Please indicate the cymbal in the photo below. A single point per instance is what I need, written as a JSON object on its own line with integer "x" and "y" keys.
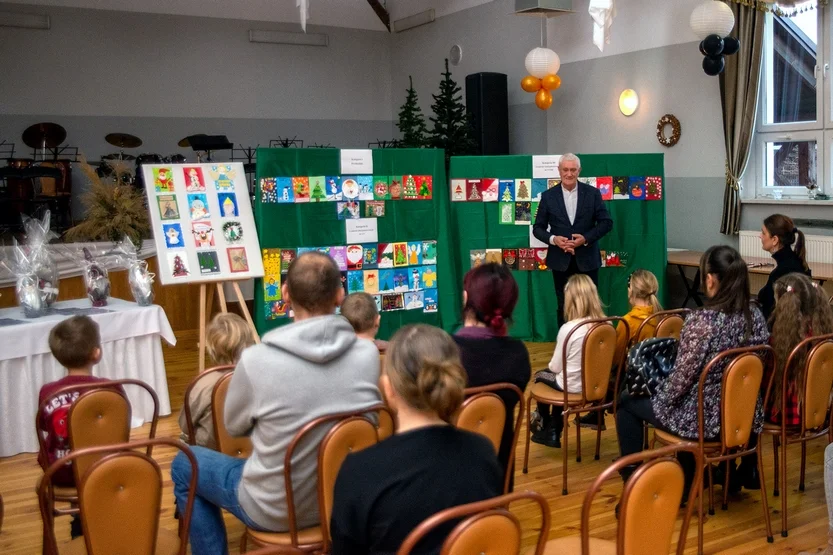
{"x": 123, "y": 140}
{"x": 45, "y": 134}
{"x": 185, "y": 143}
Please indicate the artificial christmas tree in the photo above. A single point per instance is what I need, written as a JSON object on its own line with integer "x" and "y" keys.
{"x": 452, "y": 129}
{"x": 410, "y": 187}
{"x": 411, "y": 121}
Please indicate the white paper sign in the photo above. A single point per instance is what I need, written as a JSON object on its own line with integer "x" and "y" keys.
{"x": 363, "y": 230}
{"x": 534, "y": 243}
{"x": 545, "y": 166}
{"x": 356, "y": 161}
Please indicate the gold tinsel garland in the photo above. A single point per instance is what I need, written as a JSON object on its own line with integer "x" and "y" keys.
{"x": 771, "y": 7}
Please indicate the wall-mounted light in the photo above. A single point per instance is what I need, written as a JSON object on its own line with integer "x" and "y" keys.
{"x": 25, "y": 20}
{"x": 628, "y": 102}
{"x": 421, "y": 18}
{"x": 285, "y": 37}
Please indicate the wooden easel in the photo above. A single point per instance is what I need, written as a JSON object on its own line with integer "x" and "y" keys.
{"x": 207, "y": 307}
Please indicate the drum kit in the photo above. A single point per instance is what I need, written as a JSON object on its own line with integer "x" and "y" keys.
{"x": 123, "y": 141}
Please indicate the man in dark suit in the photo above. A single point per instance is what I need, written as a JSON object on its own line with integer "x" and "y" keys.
{"x": 571, "y": 219}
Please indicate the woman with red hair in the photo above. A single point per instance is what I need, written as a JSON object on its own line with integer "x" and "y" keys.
{"x": 489, "y": 355}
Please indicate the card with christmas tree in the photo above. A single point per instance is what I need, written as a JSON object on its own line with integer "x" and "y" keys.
{"x": 428, "y": 275}
{"x": 429, "y": 252}
{"x": 414, "y": 280}
{"x": 385, "y": 255}
{"x": 553, "y": 183}
{"x": 414, "y": 253}
{"x": 523, "y": 189}
{"x": 414, "y": 300}
{"x": 400, "y": 254}
{"x": 371, "y": 281}
{"x": 523, "y": 213}
{"x": 317, "y": 189}
{"x": 355, "y": 257}
{"x": 300, "y": 186}
{"x": 488, "y": 189}
{"x": 400, "y": 280}
{"x": 287, "y": 258}
{"x": 494, "y": 256}
{"x": 333, "y": 184}
{"x": 268, "y": 190}
{"x": 539, "y": 185}
{"x": 653, "y": 188}
{"x": 365, "y": 187}
{"x": 605, "y": 187}
{"x": 339, "y": 256}
{"x": 473, "y": 190}
{"x": 374, "y": 209}
{"x": 506, "y": 190}
{"x": 285, "y": 189}
{"x": 409, "y": 188}
{"x": 370, "y": 256}
{"x": 477, "y": 257}
{"x": 381, "y": 187}
{"x": 392, "y": 302}
{"x": 510, "y": 258}
{"x": 620, "y": 188}
{"x": 425, "y": 187}
{"x": 355, "y": 282}
{"x": 430, "y": 301}
{"x": 350, "y": 210}
{"x": 385, "y": 281}
{"x": 636, "y": 188}
{"x": 458, "y": 190}
{"x": 534, "y": 211}
{"x": 541, "y": 258}
{"x": 506, "y": 213}
{"x": 590, "y": 181}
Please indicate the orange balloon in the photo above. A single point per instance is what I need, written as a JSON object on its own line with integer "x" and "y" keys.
{"x": 530, "y": 84}
{"x": 551, "y": 82}
{"x": 543, "y": 99}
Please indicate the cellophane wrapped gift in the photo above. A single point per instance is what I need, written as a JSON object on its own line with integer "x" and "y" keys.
{"x": 41, "y": 258}
{"x": 29, "y": 296}
{"x": 96, "y": 278}
{"x": 138, "y": 276}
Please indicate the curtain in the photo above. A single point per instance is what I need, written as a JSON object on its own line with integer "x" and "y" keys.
{"x": 739, "y": 84}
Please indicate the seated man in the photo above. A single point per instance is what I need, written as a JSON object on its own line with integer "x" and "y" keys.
{"x": 310, "y": 368}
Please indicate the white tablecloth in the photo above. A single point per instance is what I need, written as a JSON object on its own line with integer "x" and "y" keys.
{"x": 130, "y": 349}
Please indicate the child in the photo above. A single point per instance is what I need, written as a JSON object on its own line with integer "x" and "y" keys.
{"x": 642, "y": 296}
{"x": 76, "y": 345}
{"x": 360, "y": 310}
{"x": 581, "y": 302}
{"x": 225, "y": 339}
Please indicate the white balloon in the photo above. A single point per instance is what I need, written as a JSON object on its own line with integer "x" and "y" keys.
{"x": 541, "y": 62}
{"x": 712, "y": 17}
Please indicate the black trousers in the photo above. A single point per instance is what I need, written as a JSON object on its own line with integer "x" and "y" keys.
{"x": 551, "y": 414}
{"x": 560, "y": 279}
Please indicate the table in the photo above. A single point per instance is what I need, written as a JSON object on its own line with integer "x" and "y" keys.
{"x": 821, "y": 271}
{"x": 130, "y": 349}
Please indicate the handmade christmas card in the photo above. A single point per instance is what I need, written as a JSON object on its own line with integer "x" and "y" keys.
{"x": 477, "y": 257}
{"x": 198, "y": 207}
{"x": 333, "y": 185}
{"x": 238, "y": 259}
{"x": 590, "y": 181}
{"x": 425, "y": 187}
{"x": 386, "y": 281}
{"x": 172, "y": 234}
{"x": 488, "y": 189}
{"x": 287, "y": 257}
{"x": 534, "y": 210}
{"x": 494, "y": 256}
{"x": 414, "y": 300}
{"x": 163, "y": 180}
{"x": 203, "y": 233}
{"x": 381, "y": 187}
{"x": 350, "y": 188}
{"x": 605, "y": 187}
{"x": 276, "y": 309}
{"x": 317, "y": 189}
{"x": 374, "y": 209}
{"x": 428, "y": 275}
{"x": 350, "y": 210}
{"x": 541, "y": 258}
{"x": 355, "y": 257}
{"x": 371, "y": 281}
{"x": 168, "y": 208}
{"x": 395, "y": 188}
{"x": 539, "y": 185}
{"x": 209, "y": 262}
{"x": 620, "y": 188}
{"x": 409, "y": 188}
{"x": 385, "y": 255}
{"x": 400, "y": 254}
{"x": 414, "y": 279}
{"x": 458, "y": 190}
{"x": 636, "y": 188}
{"x": 378, "y": 300}
{"x": 232, "y": 231}
{"x": 365, "y": 187}
{"x": 473, "y": 190}
{"x": 392, "y": 302}
{"x": 223, "y": 176}
{"x": 429, "y": 252}
{"x": 430, "y": 301}
{"x": 269, "y": 190}
{"x": 523, "y": 189}
{"x": 653, "y": 188}
{"x": 401, "y": 282}
{"x": 370, "y": 254}
{"x": 355, "y": 281}
{"x": 339, "y": 256}
{"x": 523, "y": 213}
{"x": 300, "y": 186}
{"x": 506, "y": 190}
{"x": 510, "y": 258}
{"x": 228, "y": 205}
{"x": 414, "y": 253}
{"x": 285, "y": 189}
{"x": 506, "y": 213}
{"x": 553, "y": 183}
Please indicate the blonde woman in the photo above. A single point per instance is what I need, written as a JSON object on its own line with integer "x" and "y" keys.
{"x": 226, "y": 337}
{"x": 383, "y": 492}
{"x": 581, "y": 302}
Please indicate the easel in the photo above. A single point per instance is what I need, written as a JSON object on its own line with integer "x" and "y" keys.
{"x": 207, "y": 307}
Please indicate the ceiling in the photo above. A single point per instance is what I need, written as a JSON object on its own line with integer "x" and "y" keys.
{"x": 354, "y": 14}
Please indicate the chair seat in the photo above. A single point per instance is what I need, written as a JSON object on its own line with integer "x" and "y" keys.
{"x": 671, "y": 439}
{"x": 61, "y": 493}
{"x": 772, "y": 428}
{"x": 167, "y": 543}
{"x": 308, "y": 537}
{"x": 571, "y": 545}
{"x": 543, "y": 392}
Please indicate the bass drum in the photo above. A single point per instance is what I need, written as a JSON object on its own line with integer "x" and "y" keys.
{"x": 141, "y": 160}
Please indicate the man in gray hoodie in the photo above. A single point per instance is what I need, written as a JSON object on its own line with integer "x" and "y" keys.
{"x": 310, "y": 368}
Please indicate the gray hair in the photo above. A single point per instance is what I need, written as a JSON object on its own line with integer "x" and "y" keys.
{"x": 570, "y": 157}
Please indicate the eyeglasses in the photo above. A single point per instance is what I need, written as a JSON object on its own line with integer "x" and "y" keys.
{"x": 629, "y": 278}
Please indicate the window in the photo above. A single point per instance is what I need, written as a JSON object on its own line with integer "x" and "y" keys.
{"x": 793, "y": 145}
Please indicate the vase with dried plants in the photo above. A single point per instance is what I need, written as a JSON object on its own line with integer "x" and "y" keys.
{"x": 114, "y": 208}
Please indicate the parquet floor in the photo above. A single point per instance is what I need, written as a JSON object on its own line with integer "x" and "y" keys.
{"x": 738, "y": 530}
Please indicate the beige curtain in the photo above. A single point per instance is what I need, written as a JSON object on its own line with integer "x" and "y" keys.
{"x": 739, "y": 96}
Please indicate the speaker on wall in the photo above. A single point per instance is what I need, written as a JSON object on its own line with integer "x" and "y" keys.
{"x": 487, "y": 102}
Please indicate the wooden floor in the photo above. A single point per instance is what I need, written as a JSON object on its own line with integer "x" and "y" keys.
{"x": 738, "y": 530}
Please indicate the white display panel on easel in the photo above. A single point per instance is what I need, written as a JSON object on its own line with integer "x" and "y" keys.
{"x": 202, "y": 222}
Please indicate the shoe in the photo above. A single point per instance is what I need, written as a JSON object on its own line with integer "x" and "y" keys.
{"x": 589, "y": 420}
{"x": 749, "y": 477}
{"x": 75, "y": 530}
{"x": 548, "y": 436}
{"x": 536, "y": 423}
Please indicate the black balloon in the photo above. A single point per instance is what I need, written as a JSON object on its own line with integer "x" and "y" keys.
{"x": 713, "y": 65}
{"x": 713, "y": 45}
{"x": 731, "y": 45}
{"x": 703, "y": 48}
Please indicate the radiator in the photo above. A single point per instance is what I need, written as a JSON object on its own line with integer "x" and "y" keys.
{"x": 819, "y": 247}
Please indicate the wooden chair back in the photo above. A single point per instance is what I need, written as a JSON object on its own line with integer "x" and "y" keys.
{"x": 489, "y": 528}
{"x": 120, "y": 499}
{"x": 485, "y": 414}
{"x": 599, "y": 355}
{"x": 665, "y": 323}
{"x": 818, "y": 382}
{"x": 186, "y": 403}
{"x": 240, "y": 447}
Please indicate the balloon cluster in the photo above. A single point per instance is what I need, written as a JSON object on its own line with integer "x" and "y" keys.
{"x": 543, "y": 65}
{"x": 714, "y": 48}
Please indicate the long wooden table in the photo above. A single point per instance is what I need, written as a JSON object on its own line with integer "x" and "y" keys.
{"x": 821, "y": 271}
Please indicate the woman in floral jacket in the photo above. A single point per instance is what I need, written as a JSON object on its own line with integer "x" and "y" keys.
{"x": 726, "y": 322}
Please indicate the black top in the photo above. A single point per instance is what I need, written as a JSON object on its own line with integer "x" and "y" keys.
{"x": 385, "y": 491}
{"x": 786, "y": 262}
{"x": 493, "y": 360}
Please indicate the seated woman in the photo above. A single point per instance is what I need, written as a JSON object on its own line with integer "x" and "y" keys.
{"x": 489, "y": 356}
{"x": 727, "y": 321}
{"x": 383, "y": 492}
{"x": 786, "y": 244}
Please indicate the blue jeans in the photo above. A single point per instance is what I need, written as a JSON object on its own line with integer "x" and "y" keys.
{"x": 217, "y": 479}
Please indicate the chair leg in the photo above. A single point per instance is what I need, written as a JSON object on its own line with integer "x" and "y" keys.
{"x": 564, "y": 448}
{"x": 784, "y": 488}
{"x": 711, "y": 491}
{"x": 700, "y": 519}
{"x": 243, "y": 542}
{"x": 644, "y": 436}
{"x": 578, "y": 438}
{"x": 725, "y": 505}
{"x": 526, "y": 451}
{"x": 599, "y": 421}
{"x": 776, "y": 469}
{"x": 803, "y": 465}
{"x": 764, "y": 502}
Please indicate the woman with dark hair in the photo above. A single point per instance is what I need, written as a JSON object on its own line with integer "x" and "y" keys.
{"x": 785, "y": 242}
{"x": 489, "y": 356}
{"x": 727, "y": 321}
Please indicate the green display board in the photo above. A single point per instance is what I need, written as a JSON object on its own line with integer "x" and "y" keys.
{"x": 638, "y": 230}
{"x": 317, "y": 225}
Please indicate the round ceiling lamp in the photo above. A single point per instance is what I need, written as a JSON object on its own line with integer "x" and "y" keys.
{"x": 712, "y": 17}
{"x": 541, "y": 62}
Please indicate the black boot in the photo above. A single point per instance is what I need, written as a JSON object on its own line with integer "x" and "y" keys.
{"x": 75, "y": 530}
{"x": 590, "y": 420}
{"x": 548, "y": 436}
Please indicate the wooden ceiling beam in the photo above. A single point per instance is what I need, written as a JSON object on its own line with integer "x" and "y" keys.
{"x": 381, "y": 12}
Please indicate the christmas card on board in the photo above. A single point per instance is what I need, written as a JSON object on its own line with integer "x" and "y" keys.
{"x": 653, "y": 188}
{"x": 541, "y": 258}
{"x": 527, "y": 260}
{"x": 553, "y": 183}
{"x": 428, "y": 275}
{"x": 400, "y": 280}
{"x": 344, "y": 282}
{"x": 285, "y": 189}
{"x": 539, "y": 185}
{"x": 268, "y": 190}
{"x": 506, "y": 190}
{"x": 414, "y": 279}
{"x": 276, "y": 309}
{"x": 506, "y": 213}
{"x": 620, "y": 188}
{"x": 350, "y": 187}
{"x": 523, "y": 189}
{"x": 510, "y": 258}
{"x": 590, "y": 181}
{"x": 396, "y": 188}
{"x": 365, "y": 187}
{"x": 392, "y": 302}
{"x": 168, "y": 207}
{"x": 287, "y": 258}
{"x": 477, "y": 257}
{"x": 386, "y": 281}
{"x": 494, "y": 256}
{"x": 615, "y": 258}
{"x": 271, "y": 274}
{"x": 534, "y": 211}
{"x": 636, "y": 188}
{"x": 355, "y": 282}
{"x": 523, "y": 213}
{"x": 300, "y": 186}
{"x": 488, "y": 189}
{"x": 371, "y": 281}
{"x": 473, "y": 190}
{"x": 385, "y": 255}
{"x": 374, "y": 209}
{"x": 431, "y": 303}
{"x": 409, "y": 188}
{"x": 370, "y": 256}
{"x": 349, "y": 210}
{"x": 317, "y": 189}
{"x": 400, "y": 254}
{"x": 355, "y": 257}
{"x": 605, "y": 187}
{"x": 381, "y": 187}
{"x": 425, "y": 187}
{"x": 414, "y": 300}
{"x": 458, "y": 190}
{"x": 333, "y": 186}
{"x": 429, "y": 252}
{"x": 414, "y": 253}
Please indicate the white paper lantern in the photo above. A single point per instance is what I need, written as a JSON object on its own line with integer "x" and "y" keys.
{"x": 712, "y": 18}
{"x": 541, "y": 62}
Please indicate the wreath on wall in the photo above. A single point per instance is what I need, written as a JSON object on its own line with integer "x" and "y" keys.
{"x": 668, "y": 119}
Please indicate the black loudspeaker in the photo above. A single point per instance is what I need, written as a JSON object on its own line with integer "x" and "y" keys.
{"x": 487, "y": 103}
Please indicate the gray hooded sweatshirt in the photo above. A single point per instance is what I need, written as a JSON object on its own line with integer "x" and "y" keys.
{"x": 299, "y": 372}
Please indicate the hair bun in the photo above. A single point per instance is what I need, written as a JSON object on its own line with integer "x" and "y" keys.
{"x": 497, "y": 322}
{"x": 440, "y": 385}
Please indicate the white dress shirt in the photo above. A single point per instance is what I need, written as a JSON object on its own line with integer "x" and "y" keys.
{"x": 570, "y": 202}
{"x": 574, "y": 355}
